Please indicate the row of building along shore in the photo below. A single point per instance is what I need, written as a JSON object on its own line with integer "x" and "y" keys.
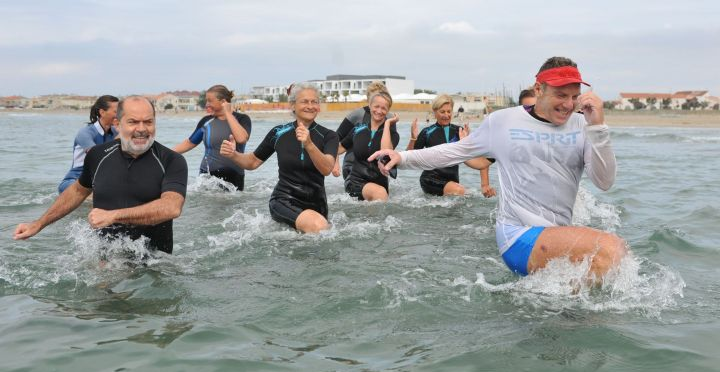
{"x": 342, "y": 92}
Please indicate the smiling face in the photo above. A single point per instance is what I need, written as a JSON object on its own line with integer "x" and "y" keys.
{"x": 137, "y": 126}
{"x": 379, "y": 108}
{"x": 556, "y": 104}
{"x": 212, "y": 104}
{"x": 443, "y": 115}
{"x": 306, "y": 106}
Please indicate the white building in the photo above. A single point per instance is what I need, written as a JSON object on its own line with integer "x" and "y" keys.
{"x": 269, "y": 92}
{"x": 650, "y": 100}
{"x": 343, "y": 87}
{"x": 673, "y": 101}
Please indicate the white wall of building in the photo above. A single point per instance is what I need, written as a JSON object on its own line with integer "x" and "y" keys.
{"x": 339, "y": 88}
{"x": 398, "y": 86}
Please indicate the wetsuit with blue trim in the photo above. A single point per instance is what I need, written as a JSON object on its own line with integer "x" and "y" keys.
{"x": 300, "y": 185}
{"x": 355, "y": 117}
{"x": 212, "y": 131}
{"x": 433, "y": 181}
{"x": 86, "y": 138}
{"x": 364, "y": 143}
{"x": 120, "y": 181}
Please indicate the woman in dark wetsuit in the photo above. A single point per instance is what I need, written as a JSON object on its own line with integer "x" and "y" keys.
{"x": 306, "y": 153}
{"x": 359, "y": 115}
{"x": 365, "y": 181}
{"x": 446, "y": 181}
{"x": 212, "y": 129}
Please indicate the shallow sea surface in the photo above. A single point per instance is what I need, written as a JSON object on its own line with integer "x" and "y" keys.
{"x": 416, "y": 284}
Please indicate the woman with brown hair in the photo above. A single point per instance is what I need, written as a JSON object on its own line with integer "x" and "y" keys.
{"x": 212, "y": 129}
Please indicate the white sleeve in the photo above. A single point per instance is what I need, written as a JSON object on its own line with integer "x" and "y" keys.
{"x": 470, "y": 147}
{"x": 599, "y": 157}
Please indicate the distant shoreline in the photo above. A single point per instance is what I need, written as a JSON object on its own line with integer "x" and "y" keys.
{"x": 614, "y": 118}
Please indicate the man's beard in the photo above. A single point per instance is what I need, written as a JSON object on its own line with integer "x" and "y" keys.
{"x": 131, "y": 148}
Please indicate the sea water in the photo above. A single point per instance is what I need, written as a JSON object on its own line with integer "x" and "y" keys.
{"x": 415, "y": 284}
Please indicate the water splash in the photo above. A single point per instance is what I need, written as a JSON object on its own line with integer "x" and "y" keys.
{"x": 209, "y": 185}
{"x": 636, "y": 285}
{"x": 588, "y": 211}
{"x": 88, "y": 260}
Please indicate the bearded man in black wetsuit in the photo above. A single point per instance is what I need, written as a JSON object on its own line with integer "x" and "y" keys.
{"x": 138, "y": 185}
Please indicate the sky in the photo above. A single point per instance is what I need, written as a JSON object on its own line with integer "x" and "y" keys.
{"x": 128, "y": 47}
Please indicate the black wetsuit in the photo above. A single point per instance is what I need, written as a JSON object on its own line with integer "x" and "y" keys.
{"x": 434, "y": 181}
{"x": 300, "y": 185}
{"x": 121, "y": 181}
{"x": 364, "y": 143}
{"x": 355, "y": 117}
{"x": 212, "y": 131}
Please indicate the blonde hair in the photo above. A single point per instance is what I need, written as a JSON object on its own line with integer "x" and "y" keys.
{"x": 376, "y": 87}
{"x": 441, "y": 101}
{"x": 384, "y": 95}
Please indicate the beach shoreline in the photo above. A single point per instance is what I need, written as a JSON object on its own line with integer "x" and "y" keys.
{"x": 614, "y": 118}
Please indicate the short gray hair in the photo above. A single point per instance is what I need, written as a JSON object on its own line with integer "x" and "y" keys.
{"x": 297, "y": 88}
{"x": 121, "y": 104}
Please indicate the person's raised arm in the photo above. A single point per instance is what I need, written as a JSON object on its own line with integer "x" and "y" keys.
{"x": 323, "y": 162}
{"x": 245, "y": 161}
{"x": 413, "y": 135}
{"x": 70, "y": 199}
{"x": 386, "y": 142}
{"x": 599, "y": 157}
{"x": 240, "y": 134}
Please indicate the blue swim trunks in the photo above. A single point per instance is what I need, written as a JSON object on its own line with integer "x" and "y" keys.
{"x": 516, "y": 257}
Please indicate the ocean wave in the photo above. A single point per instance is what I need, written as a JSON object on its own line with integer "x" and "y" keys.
{"x": 655, "y": 137}
{"x": 25, "y": 115}
{"x": 673, "y": 239}
{"x": 18, "y": 191}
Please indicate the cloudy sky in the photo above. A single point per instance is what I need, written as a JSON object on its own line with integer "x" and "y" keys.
{"x": 123, "y": 47}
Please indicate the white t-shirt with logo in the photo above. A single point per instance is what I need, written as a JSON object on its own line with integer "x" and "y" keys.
{"x": 539, "y": 166}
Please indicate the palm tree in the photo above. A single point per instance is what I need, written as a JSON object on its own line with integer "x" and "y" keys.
{"x": 666, "y": 102}
{"x": 651, "y": 101}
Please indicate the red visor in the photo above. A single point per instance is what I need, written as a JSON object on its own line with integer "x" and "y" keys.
{"x": 560, "y": 76}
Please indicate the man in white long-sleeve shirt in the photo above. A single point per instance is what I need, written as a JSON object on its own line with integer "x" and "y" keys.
{"x": 541, "y": 153}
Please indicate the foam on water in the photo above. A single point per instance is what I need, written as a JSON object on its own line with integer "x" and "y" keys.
{"x": 243, "y": 229}
{"x": 635, "y": 285}
{"x": 415, "y": 199}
